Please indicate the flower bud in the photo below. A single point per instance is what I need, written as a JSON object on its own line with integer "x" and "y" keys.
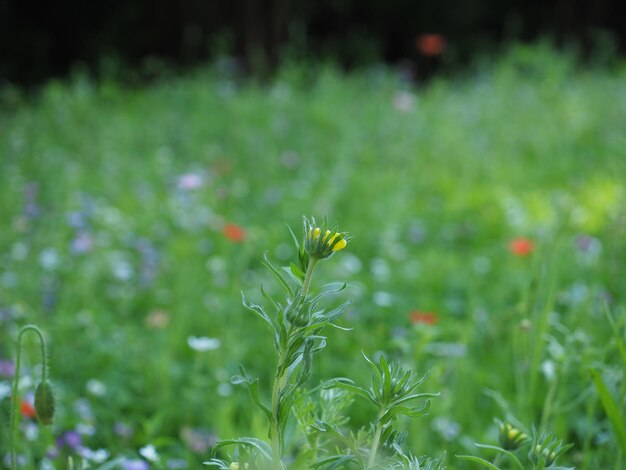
{"x": 510, "y": 437}
{"x": 297, "y": 312}
{"x": 538, "y": 452}
{"x": 322, "y": 242}
{"x": 44, "y": 403}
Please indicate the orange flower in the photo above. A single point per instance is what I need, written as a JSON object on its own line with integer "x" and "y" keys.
{"x": 521, "y": 246}
{"x": 234, "y": 233}
{"x": 425, "y": 318}
{"x": 431, "y": 44}
{"x": 27, "y": 410}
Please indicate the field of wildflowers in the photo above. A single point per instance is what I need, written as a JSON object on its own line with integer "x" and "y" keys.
{"x": 488, "y": 220}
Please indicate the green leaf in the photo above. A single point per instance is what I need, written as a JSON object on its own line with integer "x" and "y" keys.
{"x": 263, "y": 447}
{"x": 278, "y": 276}
{"x": 221, "y": 464}
{"x": 297, "y": 272}
{"x": 413, "y": 397}
{"x": 347, "y": 384}
{"x": 336, "y": 461}
{"x": 500, "y": 450}
{"x": 611, "y": 409}
{"x": 411, "y": 412}
{"x": 328, "y": 289}
{"x": 253, "y": 388}
{"x": 258, "y": 310}
{"x": 335, "y": 313}
{"x": 376, "y": 376}
{"x": 618, "y": 337}
{"x": 473, "y": 458}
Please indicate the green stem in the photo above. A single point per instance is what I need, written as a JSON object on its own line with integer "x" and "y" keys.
{"x": 274, "y": 431}
{"x": 308, "y": 276}
{"x": 280, "y": 381}
{"x": 14, "y": 396}
{"x": 376, "y": 441}
{"x": 547, "y": 405}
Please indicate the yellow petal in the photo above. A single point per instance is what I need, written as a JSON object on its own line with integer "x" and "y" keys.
{"x": 316, "y": 232}
{"x": 340, "y": 245}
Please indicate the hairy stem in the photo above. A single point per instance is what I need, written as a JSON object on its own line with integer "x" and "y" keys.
{"x": 376, "y": 441}
{"x": 275, "y": 424}
{"x": 14, "y": 395}
{"x": 280, "y": 380}
{"x": 308, "y": 276}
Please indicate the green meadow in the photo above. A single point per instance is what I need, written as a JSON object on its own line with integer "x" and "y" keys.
{"x": 487, "y": 211}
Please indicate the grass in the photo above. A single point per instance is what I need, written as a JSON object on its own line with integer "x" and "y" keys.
{"x": 104, "y": 248}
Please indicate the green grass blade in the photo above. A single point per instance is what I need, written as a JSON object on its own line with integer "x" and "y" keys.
{"x": 611, "y": 409}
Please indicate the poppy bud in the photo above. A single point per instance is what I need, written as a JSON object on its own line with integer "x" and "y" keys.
{"x": 44, "y": 403}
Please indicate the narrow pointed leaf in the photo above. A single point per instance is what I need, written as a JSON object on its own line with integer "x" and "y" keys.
{"x": 278, "y": 276}
{"x": 611, "y": 409}
{"x": 251, "y": 442}
{"x": 473, "y": 458}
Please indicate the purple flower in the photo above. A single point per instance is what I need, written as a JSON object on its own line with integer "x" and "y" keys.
{"x": 7, "y": 368}
{"x": 70, "y": 439}
{"x": 135, "y": 464}
{"x": 123, "y": 430}
{"x": 190, "y": 181}
{"x": 83, "y": 243}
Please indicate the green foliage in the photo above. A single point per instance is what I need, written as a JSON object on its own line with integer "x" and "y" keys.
{"x": 118, "y": 204}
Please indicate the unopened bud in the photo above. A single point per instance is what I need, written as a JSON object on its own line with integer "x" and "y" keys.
{"x": 44, "y": 403}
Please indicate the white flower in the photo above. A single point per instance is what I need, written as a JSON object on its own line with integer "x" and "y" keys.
{"x": 49, "y": 259}
{"x": 203, "y": 343}
{"x": 383, "y": 299}
{"x": 96, "y": 387}
{"x": 190, "y": 181}
{"x": 97, "y": 456}
{"x": 149, "y": 453}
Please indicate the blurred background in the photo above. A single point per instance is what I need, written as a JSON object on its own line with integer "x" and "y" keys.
{"x": 152, "y": 151}
{"x": 49, "y": 39}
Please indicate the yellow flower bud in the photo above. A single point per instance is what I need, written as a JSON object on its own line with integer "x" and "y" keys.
{"x": 340, "y": 245}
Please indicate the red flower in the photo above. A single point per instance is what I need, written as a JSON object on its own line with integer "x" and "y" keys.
{"x": 521, "y": 246}
{"x": 426, "y": 318}
{"x": 431, "y": 44}
{"x": 234, "y": 233}
{"x": 27, "y": 410}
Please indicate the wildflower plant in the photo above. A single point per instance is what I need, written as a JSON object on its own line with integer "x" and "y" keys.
{"x": 44, "y": 398}
{"x": 543, "y": 452}
{"x": 296, "y": 324}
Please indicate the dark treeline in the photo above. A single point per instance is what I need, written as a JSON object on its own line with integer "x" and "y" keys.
{"x": 41, "y": 39}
